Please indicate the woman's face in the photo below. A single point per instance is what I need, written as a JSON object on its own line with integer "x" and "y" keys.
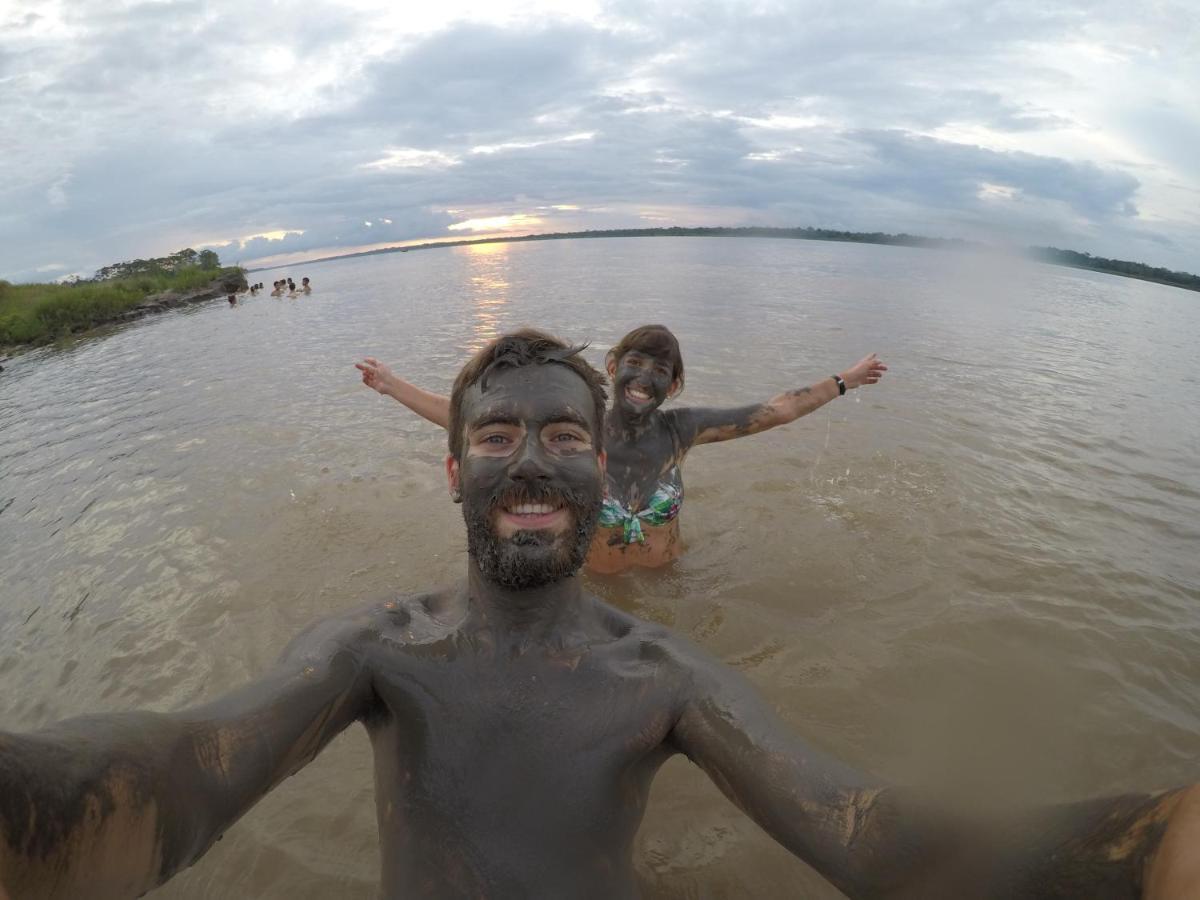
{"x": 641, "y": 382}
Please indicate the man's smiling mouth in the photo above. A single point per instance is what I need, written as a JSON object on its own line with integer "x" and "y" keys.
{"x": 532, "y": 509}
{"x": 523, "y": 514}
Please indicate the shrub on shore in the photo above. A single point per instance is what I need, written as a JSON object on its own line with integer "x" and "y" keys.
{"x": 36, "y": 313}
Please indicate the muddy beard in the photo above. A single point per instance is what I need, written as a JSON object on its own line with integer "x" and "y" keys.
{"x": 531, "y": 559}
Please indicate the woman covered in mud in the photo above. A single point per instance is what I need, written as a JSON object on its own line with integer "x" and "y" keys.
{"x": 646, "y": 445}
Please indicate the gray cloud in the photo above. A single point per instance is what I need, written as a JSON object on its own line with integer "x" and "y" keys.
{"x": 952, "y": 174}
{"x": 471, "y": 82}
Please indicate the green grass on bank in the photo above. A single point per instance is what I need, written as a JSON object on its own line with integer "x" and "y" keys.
{"x": 37, "y": 313}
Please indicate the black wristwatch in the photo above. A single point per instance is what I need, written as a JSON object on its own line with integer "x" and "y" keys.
{"x": 840, "y": 383}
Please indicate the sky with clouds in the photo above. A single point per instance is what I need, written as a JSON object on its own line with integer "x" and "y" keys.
{"x": 285, "y": 130}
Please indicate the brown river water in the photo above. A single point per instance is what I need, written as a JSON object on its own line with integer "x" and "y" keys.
{"x": 981, "y": 576}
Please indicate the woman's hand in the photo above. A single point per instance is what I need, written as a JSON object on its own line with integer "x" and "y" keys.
{"x": 376, "y": 375}
{"x": 867, "y": 370}
{"x": 428, "y": 405}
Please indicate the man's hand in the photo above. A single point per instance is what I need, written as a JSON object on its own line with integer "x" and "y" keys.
{"x": 376, "y": 375}
{"x": 867, "y": 370}
{"x": 1174, "y": 870}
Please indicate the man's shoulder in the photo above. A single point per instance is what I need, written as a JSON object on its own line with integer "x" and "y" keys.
{"x": 652, "y": 639}
{"x": 406, "y": 618}
{"x": 681, "y": 666}
{"x": 624, "y": 624}
{"x": 417, "y": 617}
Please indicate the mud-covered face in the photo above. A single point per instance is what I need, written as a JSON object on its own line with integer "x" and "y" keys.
{"x": 641, "y": 382}
{"x": 530, "y": 478}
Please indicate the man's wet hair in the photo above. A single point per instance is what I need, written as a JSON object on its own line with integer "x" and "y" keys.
{"x": 653, "y": 340}
{"x": 524, "y": 347}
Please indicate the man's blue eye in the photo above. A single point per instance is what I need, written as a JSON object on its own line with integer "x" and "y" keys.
{"x": 495, "y": 439}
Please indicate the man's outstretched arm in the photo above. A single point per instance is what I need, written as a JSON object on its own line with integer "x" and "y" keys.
{"x": 875, "y": 840}
{"x": 112, "y": 805}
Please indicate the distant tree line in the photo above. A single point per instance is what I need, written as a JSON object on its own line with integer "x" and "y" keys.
{"x": 1043, "y": 254}
{"x": 803, "y": 234}
{"x": 1115, "y": 266}
{"x": 187, "y": 258}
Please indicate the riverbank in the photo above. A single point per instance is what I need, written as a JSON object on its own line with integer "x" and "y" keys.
{"x": 35, "y": 314}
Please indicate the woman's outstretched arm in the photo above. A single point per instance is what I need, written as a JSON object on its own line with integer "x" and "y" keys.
{"x": 700, "y": 425}
{"x": 377, "y": 376}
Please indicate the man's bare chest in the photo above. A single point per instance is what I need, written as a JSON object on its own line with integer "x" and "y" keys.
{"x": 599, "y": 709}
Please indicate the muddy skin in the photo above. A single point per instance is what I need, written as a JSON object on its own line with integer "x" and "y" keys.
{"x": 514, "y": 751}
{"x": 516, "y": 730}
{"x": 644, "y": 443}
{"x": 531, "y": 776}
{"x": 643, "y": 446}
{"x": 547, "y": 458}
{"x": 874, "y": 840}
{"x": 110, "y": 806}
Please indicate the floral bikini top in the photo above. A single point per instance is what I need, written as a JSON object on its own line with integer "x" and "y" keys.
{"x": 661, "y": 508}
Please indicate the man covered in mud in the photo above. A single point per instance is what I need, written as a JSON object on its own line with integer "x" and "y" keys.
{"x": 517, "y": 723}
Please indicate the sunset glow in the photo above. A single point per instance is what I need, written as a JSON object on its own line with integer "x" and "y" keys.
{"x": 496, "y": 223}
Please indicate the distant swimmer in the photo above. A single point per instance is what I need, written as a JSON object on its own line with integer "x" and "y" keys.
{"x": 232, "y": 300}
{"x": 277, "y": 288}
{"x": 305, "y": 286}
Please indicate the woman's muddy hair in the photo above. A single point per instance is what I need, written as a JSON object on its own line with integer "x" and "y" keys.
{"x": 524, "y": 347}
{"x": 653, "y": 340}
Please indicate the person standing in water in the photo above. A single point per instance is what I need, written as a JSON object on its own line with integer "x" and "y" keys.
{"x": 646, "y": 444}
{"x": 517, "y": 724}
{"x": 305, "y": 286}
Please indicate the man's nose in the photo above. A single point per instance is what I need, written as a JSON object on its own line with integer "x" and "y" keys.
{"x": 531, "y": 463}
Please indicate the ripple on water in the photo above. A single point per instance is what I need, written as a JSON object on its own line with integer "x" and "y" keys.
{"x": 981, "y": 574}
